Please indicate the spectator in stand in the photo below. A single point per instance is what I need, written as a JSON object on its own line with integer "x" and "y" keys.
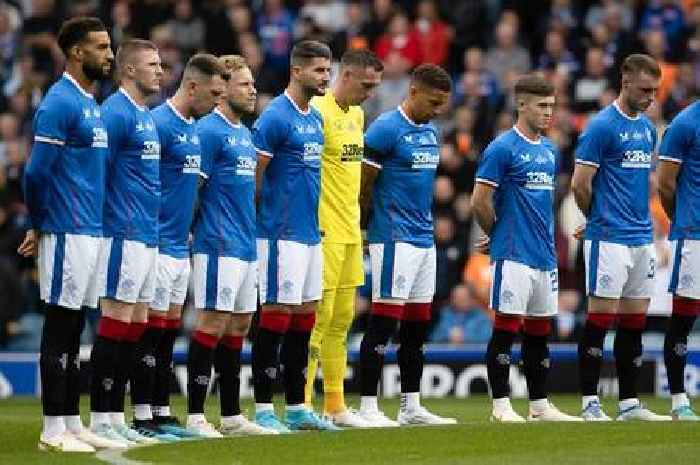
{"x": 329, "y": 15}
{"x": 597, "y": 14}
{"x": 600, "y": 38}
{"x": 188, "y": 28}
{"x": 450, "y": 255}
{"x": 354, "y": 35}
{"x": 400, "y": 45}
{"x": 656, "y": 46}
{"x": 433, "y": 34}
{"x": 683, "y": 93}
{"x": 39, "y": 33}
{"x": 9, "y": 41}
{"x": 592, "y": 83}
{"x": 668, "y": 17}
{"x": 556, "y": 56}
{"x": 462, "y": 320}
{"x": 506, "y": 54}
{"x": 275, "y": 27}
{"x": 378, "y": 21}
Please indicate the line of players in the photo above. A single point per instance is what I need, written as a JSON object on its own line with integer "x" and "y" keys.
{"x": 113, "y": 190}
{"x": 112, "y": 193}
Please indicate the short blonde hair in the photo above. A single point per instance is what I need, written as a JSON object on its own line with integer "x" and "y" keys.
{"x": 232, "y": 63}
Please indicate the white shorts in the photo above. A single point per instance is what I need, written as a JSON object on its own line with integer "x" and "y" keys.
{"x": 69, "y": 270}
{"x": 619, "y": 271}
{"x": 130, "y": 269}
{"x": 402, "y": 271}
{"x": 289, "y": 272}
{"x": 685, "y": 270}
{"x": 226, "y": 284}
{"x": 172, "y": 278}
{"x": 518, "y": 289}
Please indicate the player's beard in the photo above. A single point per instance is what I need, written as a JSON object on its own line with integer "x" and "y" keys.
{"x": 240, "y": 110}
{"x": 95, "y": 71}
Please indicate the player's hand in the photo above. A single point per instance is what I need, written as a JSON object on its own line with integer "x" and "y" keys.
{"x": 483, "y": 244}
{"x": 578, "y": 233}
{"x": 29, "y": 246}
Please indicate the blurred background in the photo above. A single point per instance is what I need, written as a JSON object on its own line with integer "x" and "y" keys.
{"x": 484, "y": 44}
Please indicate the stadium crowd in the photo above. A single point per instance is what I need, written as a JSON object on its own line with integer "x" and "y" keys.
{"x": 484, "y": 44}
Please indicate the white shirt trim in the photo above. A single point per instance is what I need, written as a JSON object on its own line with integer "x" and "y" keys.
{"x": 133, "y": 102}
{"x": 624, "y": 115}
{"x": 75, "y": 83}
{"x": 586, "y": 162}
{"x": 264, "y": 153}
{"x": 49, "y": 140}
{"x": 179, "y": 115}
{"x": 372, "y": 163}
{"x": 228, "y": 121}
{"x": 527, "y": 139}
{"x": 486, "y": 181}
{"x": 410, "y": 121}
{"x": 294, "y": 104}
{"x": 667, "y": 158}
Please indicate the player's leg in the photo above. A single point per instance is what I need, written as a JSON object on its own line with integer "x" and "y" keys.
{"x": 227, "y": 358}
{"x": 606, "y": 273}
{"x": 179, "y": 272}
{"x": 334, "y": 355}
{"x": 413, "y": 334}
{"x": 685, "y": 282}
{"x": 294, "y": 353}
{"x": 542, "y": 307}
{"x": 510, "y": 291}
{"x": 388, "y": 302}
{"x": 272, "y": 326}
{"x": 332, "y": 266}
{"x": 632, "y": 312}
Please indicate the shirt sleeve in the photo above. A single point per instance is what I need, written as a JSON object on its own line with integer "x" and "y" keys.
{"x": 379, "y": 143}
{"x": 51, "y": 123}
{"x": 592, "y": 144}
{"x": 493, "y": 164}
{"x": 676, "y": 142}
{"x": 268, "y": 133}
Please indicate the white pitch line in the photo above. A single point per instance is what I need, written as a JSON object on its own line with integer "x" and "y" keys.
{"x": 116, "y": 457}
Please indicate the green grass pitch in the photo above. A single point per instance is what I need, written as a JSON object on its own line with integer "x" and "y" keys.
{"x": 473, "y": 441}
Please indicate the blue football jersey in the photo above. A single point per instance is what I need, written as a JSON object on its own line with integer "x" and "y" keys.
{"x": 524, "y": 175}
{"x": 681, "y": 144}
{"x": 288, "y": 208}
{"x": 408, "y": 155}
{"x": 225, "y": 223}
{"x": 180, "y": 162}
{"x": 621, "y": 148}
{"x": 133, "y": 180}
{"x": 71, "y": 198}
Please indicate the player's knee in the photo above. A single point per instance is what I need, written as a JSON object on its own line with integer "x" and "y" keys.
{"x": 213, "y": 323}
{"x": 239, "y": 324}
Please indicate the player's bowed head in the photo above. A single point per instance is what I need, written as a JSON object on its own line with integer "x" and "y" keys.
{"x": 641, "y": 75}
{"x": 202, "y": 86}
{"x": 359, "y": 75}
{"x": 139, "y": 68}
{"x": 428, "y": 93}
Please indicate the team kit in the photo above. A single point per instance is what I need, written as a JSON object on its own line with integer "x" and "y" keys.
{"x": 129, "y": 206}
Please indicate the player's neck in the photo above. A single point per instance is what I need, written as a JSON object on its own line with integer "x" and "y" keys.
{"x": 75, "y": 71}
{"x": 179, "y": 102}
{"x": 298, "y": 96}
{"x": 136, "y": 95}
{"x": 530, "y": 134}
{"x": 340, "y": 97}
{"x": 229, "y": 114}
{"x": 625, "y": 108}
{"x": 408, "y": 112}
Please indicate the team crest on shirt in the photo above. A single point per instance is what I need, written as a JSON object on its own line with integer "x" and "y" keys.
{"x": 181, "y": 138}
{"x": 91, "y": 113}
{"x": 686, "y": 281}
{"x": 525, "y": 157}
{"x": 287, "y": 286}
{"x": 624, "y": 137}
{"x": 507, "y": 296}
{"x": 226, "y": 296}
{"x": 400, "y": 282}
{"x": 194, "y": 139}
{"x": 605, "y": 281}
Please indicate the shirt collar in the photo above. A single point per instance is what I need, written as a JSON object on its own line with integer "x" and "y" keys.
{"x": 179, "y": 115}
{"x": 294, "y": 104}
{"x": 228, "y": 121}
{"x": 133, "y": 102}
{"x": 75, "y": 83}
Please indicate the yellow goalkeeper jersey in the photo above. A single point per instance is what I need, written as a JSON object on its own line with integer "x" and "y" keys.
{"x": 339, "y": 209}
